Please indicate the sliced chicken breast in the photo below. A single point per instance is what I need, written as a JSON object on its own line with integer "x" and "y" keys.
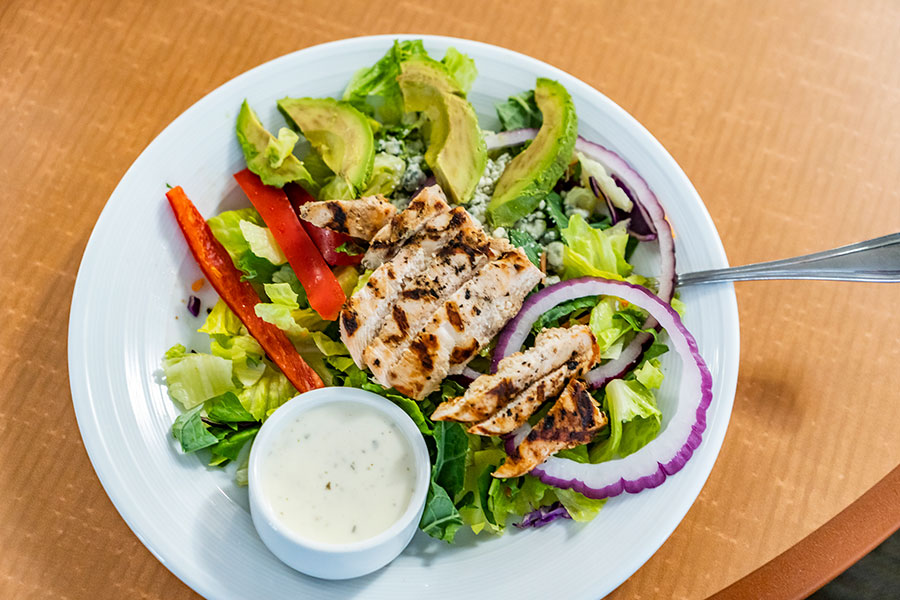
{"x": 361, "y": 218}
{"x": 366, "y": 310}
{"x": 553, "y": 349}
{"x": 452, "y": 265}
{"x": 572, "y": 421}
{"x": 464, "y": 324}
{"x": 428, "y": 204}
{"x": 516, "y": 413}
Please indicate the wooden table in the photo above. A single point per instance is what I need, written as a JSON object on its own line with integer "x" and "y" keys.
{"x": 783, "y": 114}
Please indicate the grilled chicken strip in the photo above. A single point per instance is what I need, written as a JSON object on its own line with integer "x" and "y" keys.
{"x": 552, "y": 350}
{"x": 361, "y": 218}
{"x": 572, "y": 421}
{"x": 366, "y": 310}
{"x": 423, "y": 295}
{"x": 516, "y": 413}
{"x": 428, "y": 204}
{"x": 464, "y": 324}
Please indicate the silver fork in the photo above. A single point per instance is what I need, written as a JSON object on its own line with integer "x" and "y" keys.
{"x": 873, "y": 260}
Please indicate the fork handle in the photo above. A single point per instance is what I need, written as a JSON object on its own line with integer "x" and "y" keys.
{"x": 877, "y": 259}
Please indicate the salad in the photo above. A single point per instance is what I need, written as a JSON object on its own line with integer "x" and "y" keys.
{"x": 341, "y": 193}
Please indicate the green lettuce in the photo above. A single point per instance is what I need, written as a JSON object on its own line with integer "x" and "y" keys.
{"x": 441, "y": 519}
{"x": 387, "y": 170}
{"x": 528, "y": 244}
{"x": 302, "y": 326}
{"x": 226, "y": 227}
{"x": 190, "y": 431}
{"x": 262, "y": 243}
{"x": 594, "y": 252}
{"x": 634, "y": 419}
{"x": 230, "y": 340}
{"x": 461, "y": 67}
{"x": 519, "y": 112}
{"x": 374, "y": 90}
{"x": 269, "y": 392}
{"x": 194, "y": 378}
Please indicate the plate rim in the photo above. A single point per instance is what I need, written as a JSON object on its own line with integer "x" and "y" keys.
{"x": 91, "y": 434}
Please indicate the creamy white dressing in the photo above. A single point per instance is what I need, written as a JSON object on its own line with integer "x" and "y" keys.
{"x": 339, "y": 473}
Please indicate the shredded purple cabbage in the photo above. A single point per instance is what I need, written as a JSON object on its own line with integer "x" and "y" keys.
{"x": 193, "y": 305}
{"x": 544, "y": 516}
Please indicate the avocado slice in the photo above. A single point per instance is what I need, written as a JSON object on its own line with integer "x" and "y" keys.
{"x": 533, "y": 173}
{"x": 340, "y": 134}
{"x": 456, "y": 151}
{"x": 269, "y": 157}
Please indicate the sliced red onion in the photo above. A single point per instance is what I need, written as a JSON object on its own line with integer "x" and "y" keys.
{"x": 654, "y": 219}
{"x": 641, "y": 225}
{"x": 507, "y": 139}
{"x": 512, "y": 440}
{"x": 544, "y": 516}
{"x": 193, "y": 305}
{"x": 468, "y": 374}
{"x": 668, "y": 453}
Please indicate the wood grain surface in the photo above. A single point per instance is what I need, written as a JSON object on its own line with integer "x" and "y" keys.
{"x": 784, "y": 114}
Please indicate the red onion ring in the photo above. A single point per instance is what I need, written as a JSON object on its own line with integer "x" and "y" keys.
{"x": 649, "y": 209}
{"x": 668, "y": 453}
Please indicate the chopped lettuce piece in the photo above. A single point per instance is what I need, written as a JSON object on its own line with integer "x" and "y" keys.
{"x": 190, "y": 431}
{"x": 262, "y": 243}
{"x": 362, "y": 281}
{"x": 227, "y": 408}
{"x": 227, "y": 229}
{"x": 634, "y": 419}
{"x": 555, "y": 210}
{"x": 271, "y": 391}
{"x": 387, "y": 170}
{"x": 194, "y": 378}
{"x": 302, "y": 326}
{"x": 229, "y": 448}
{"x": 519, "y": 112}
{"x": 347, "y": 277}
{"x": 279, "y": 148}
{"x": 580, "y": 507}
{"x": 526, "y": 242}
{"x": 649, "y": 374}
{"x": 572, "y": 307}
{"x": 374, "y": 90}
{"x": 245, "y": 355}
{"x": 461, "y": 67}
{"x": 610, "y": 325}
{"x": 221, "y": 321}
{"x": 441, "y": 519}
{"x": 594, "y": 252}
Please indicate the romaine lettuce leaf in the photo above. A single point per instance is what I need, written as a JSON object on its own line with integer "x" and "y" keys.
{"x": 374, "y": 90}
{"x": 227, "y": 229}
{"x": 262, "y": 243}
{"x": 270, "y": 391}
{"x": 634, "y": 419}
{"x": 387, "y": 170}
{"x": 594, "y": 252}
{"x": 461, "y": 67}
{"x": 194, "y": 378}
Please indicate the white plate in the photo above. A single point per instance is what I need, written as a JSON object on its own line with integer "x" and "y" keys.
{"x": 128, "y": 308}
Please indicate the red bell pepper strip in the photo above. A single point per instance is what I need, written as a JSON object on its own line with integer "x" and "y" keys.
{"x": 322, "y": 288}
{"x": 326, "y": 240}
{"x": 239, "y": 295}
